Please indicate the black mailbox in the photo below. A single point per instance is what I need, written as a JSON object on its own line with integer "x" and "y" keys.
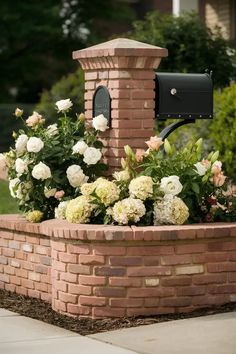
{"x": 188, "y": 96}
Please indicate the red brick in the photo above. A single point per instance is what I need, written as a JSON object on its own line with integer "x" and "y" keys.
{"x": 209, "y": 278}
{"x": 232, "y": 256}
{"x": 125, "y": 261}
{"x": 191, "y": 290}
{"x": 27, "y": 283}
{"x": 110, "y": 292}
{"x": 79, "y": 269}
{"x": 15, "y": 280}
{"x": 232, "y": 277}
{"x": 3, "y": 260}
{"x": 173, "y": 281}
{"x": 67, "y": 257}
{"x": 78, "y": 310}
{"x": 148, "y": 271}
{"x": 222, "y": 289}
{"x": 42, "y": 268}
{"x": 215, "y": 246}
{"x": 176, "y": 301}
{"x": 60, "y": 306}
{"x": 221, "y": 267}
{"x": 126, "y": 302}
{"x": 4, "y": 278}
{"x": 196, "y": 248}
{"x": 45, "y": 242}
{"x": 210, "y": 299}
{"x": 110, "y": 251}
{"x": 58, "y": 246}
{"x": 64, "y": 297}
{"x": 45, "y": 260}
{"x": 80, "y": 289}
{"x": 33, "y": 240}
{"x": 46, "y": 297}
{"x": 91, "y": 280}
{"x": 9, "y": 270}
{"x": 125, "y": 282}
{"x": 100, "y": 312}
{"x": 151, "y": 260}
{"x": 34, "y": 293}
{"x": 22, "y": 273}
{"x": 108, "y": 271}
{"x": 42, "y": 287}
{"x": 91, "y": 259}
{"x": 41, "y": 250}
{"x": 175, "y": 259}
{"x": 150, "y": 292}
{"x": 70, "y": 278}
{"x": 150, "y": 250}
{"x": 92, "y": 301}
{"x": 10, "y": 287}
{"x": 8, "y": 252}
{"x": 21, "y": 290}
{"x": 229, "y": 246}
{"x": 152, "y": 302}
{"x": 45, "y": 279}
{"x": 14, "y": 245}
{"x": 210, "y": 257}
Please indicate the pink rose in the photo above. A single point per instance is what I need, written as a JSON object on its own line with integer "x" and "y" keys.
{"x": 154, "y": 143}
{"x": 218, "y": 179}
{"x": 59, "y": 194}
{"x": 34, "y": 120}
{"x": 139, "y": 154}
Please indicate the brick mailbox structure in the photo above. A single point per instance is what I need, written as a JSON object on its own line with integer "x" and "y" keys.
{"x": 126, "y": 68}
{"x": 114, "y": 271}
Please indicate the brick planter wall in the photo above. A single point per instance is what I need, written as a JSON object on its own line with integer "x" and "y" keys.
{"x": 115, "y": 271}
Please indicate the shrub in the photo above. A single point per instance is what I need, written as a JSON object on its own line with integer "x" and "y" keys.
{"x": 223, "y": 128}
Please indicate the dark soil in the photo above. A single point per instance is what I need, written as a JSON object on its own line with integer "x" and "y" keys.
{"x": 42, "y": 311}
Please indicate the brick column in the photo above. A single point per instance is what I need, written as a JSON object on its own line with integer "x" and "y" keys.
{"x": 126, "y": 68}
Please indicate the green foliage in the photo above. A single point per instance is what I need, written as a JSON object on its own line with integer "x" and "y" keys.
{"x": 8, "y": 205}
{"x": 192, "y": 46}
{"x": 223, "y": 128}
{"x": 71, "y": 86}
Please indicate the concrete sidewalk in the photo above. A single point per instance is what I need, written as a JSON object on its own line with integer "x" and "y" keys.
{"x": 214, "y": 334}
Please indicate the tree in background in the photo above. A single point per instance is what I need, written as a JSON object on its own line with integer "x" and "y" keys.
{"x": 192, "y": 46}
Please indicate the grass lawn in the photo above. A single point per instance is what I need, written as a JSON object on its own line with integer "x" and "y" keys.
{"x": 7, "y": 203}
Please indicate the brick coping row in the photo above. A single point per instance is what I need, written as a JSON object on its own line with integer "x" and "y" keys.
{"x": 100, "y": 233}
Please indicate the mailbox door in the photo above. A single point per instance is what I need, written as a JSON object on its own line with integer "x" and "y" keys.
{"x": 184, "y": 96}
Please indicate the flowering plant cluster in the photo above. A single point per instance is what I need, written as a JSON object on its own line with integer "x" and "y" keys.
{"x": 49, "y": 164}
{"x": 157, "y": 186}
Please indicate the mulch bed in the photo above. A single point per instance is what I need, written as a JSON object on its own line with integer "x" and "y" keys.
{"x": 42, "y": 311}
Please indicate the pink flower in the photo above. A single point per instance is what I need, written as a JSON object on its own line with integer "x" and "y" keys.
{"x": 139, "y": 154}
{"x": 154, "y": 143}
{"x": 35, "y": 119}
{"x": 218, "y": 179}
{"x": 59, "y": 194}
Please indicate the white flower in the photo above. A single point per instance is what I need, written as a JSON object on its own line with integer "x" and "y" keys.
{"x": 21, "y": 143}
{"x": 100, "y": 123}
{"x": 13, "y": 185}
{"x": 41, "y": 171}
{"x": 49, "y": 192}
{"x": 76, "y": 176}
{"x": 201, "y": 169}
{"x": 141, "y": 187}
{"x": 171, "y": 185}
{"x": 60, "y": 211}
{"x": 92, "y": 156}
{"x": 79, "y": 210}
{"x": 34, "y": 120}
{"x": 34, "y": 144}
{"x": 64, "y": 105}
{"x": 20, "y": 166}
{"x": 79, "y": 147}
{"x": 127, "y": 210}
{"x": 170, "y": 210}
{"x": 121, "y": 175}
{"x": 52, "y": 129}
{"x": 107, "y": 191}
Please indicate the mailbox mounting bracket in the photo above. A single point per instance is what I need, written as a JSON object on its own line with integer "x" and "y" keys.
{"x": 172, "y": 127}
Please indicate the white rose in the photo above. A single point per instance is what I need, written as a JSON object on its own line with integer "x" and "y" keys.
{"x": 100, "y": 123}
{"x": 41, "y": 171}
{"x": 13, "y": 183}
{"x": 79, "y": 147}
{"x": 64, "y": 105}
{"x": 20, "y": 166}
{"x": 201, "y": 169}
{"x": 34, "y": 144}
{"x": 92, "y": 156}
{"x": 49, "y": 192}
{"x": 21, "y": 143}
{"x": 52, "y": 129}
{"x": 76, "y": 176}
{"x": 171, "y": 185}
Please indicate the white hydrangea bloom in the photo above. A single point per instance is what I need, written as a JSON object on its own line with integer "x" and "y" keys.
{"x": 79, "y": 210}
{"x": 141, "y": 187}
{"x": 127, "y": 211}
{"x": 170, "y": 210}
{"x": 60, "y": 211}
{"x": 76, "y": 176}
{"x": 92, "y": 156}
{"x": 121, "y": 176}
{"x": 171, "y": 185}
{"x": 34, "y": 144}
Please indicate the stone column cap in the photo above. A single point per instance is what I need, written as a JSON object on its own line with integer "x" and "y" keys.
{"x": 121, "y": 47}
